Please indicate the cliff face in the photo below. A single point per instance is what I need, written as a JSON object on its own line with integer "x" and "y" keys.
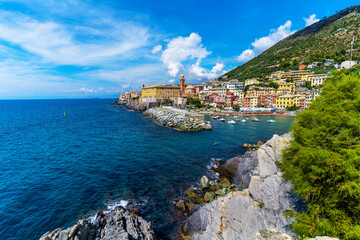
{"x": 118, "y": 224}
{"x": 253, "y": 212}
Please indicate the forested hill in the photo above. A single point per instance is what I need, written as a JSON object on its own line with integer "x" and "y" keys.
{"x": 329, "y": 38}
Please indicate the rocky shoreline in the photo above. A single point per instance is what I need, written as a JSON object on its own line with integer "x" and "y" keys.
{"x": 248, "y": 199}
{"x": 118, "y": 224}
{"x": 252, "y": 201}
{"x": 169, "y": 118}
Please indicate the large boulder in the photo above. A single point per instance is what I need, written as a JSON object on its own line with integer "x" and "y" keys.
{"x": 118, "y": 224}
{"x": 254, "y": 212}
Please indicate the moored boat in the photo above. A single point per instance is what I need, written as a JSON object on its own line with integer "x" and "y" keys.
{"x": 231, "y": 122}
{"x": 222, "y": 120}
{"x": 271, "y": 121}
{"x": 255, "y": 119}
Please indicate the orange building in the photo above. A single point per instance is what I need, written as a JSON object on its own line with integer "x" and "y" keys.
{"x": 229, "y": 99}
{"x": 302, "y": 67}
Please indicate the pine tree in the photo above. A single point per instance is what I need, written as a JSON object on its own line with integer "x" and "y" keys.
{"x": 323, "y": 160}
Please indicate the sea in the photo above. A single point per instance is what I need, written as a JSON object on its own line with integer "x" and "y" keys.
{"x": 63, "y": 160}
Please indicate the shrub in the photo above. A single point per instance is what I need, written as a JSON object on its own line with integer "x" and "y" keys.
{"x": 323, "y": 160}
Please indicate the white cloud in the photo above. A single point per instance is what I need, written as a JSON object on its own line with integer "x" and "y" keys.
{"x": 310, "y": 20}
{"x": 246, "y": 55}
{"x": 58, "y": 44}
{"x": 181, "y": 49}
{"x": 199, "y": 73}
{"x": 156, "y": 49}
{"x": 88, "y": 90}
{"x": 264, "y": 43}
{"x": 186, "y": 54}
{"x": 91, "y": 90}
{"x": 171, "y": 81}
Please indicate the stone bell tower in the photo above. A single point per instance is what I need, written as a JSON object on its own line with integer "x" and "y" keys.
{"x": 182, "y": 84}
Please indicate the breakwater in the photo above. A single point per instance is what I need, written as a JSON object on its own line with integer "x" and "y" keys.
{"x": 173, "y": 119}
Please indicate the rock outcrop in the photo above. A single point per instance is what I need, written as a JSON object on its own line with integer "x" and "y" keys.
{"x": 249, "y": 213}
{"x": 140, "y": 106}
{"x": 118, "y": 224}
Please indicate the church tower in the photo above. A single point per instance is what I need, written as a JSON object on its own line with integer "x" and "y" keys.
{"x": 182, "y": 84}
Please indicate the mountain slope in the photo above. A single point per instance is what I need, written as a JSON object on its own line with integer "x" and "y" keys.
{"x": 327, "y": 39}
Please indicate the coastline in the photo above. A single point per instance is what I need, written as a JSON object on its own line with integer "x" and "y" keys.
{"x": 211, "y": 143}
{"x": 246, "y": 198}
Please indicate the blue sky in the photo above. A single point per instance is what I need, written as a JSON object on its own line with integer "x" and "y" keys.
{"x": 80, "y": 49}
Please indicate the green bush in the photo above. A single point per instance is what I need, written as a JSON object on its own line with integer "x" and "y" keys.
{"x": 236, "y": 107}
{"x": 323, "y": 160}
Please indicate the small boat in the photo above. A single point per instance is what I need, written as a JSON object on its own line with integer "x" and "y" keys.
{"x": 271, "y": 121}
{"x": 215, "y": 117}
{"x": 255, "y": 119}
{"x": 231, "y": 122}
{"x": 244, "y": 120}
{"x": 222, "y": 120}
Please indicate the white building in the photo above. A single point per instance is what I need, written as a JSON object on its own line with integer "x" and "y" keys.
{"x": 346, "y": 64}
{"x": 235, "y": 85}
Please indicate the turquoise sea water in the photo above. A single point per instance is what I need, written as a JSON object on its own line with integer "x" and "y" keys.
{"x": 55, "y": 170}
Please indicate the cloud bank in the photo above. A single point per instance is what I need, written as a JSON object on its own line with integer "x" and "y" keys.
{"x": 263, "y": 43}
{"x": 179, "y": 54}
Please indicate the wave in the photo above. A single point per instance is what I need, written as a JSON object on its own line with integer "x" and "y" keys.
{"x": 110, "y": 206}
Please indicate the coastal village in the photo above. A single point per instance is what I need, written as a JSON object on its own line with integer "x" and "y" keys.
{"x": 280, "y": 91}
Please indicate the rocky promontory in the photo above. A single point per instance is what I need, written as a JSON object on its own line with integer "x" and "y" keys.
{"x": 172, "y": 119}
{"x": 118, "y": 224}
{"x": 260, "y": 211}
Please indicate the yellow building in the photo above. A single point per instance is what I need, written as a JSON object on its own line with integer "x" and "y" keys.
{"x": 121, "y": 96}
{"x": 297, "y": 99}
{"x": 287, "y": 86}
{"x": 285, "y": 101}
{"x": 277, "y": 80}
{"x": 251, "y": 81}
{"x": 239, "y": 94}
{"x": 157, "y": 93}
{"x": 277, "y": 74}
{"x": 219, "y": 91}
{"x": 317, "y": 80}
{"x": 297, "y": 75}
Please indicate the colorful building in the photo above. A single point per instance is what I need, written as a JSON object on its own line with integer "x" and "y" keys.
{"x": 284, "y": 101}
{"x": 251, "y": 81}
{"x": 157, "y": 93}
{"x": 298, "y": 99}
{"x": 250, "y": 101}
{"x": 229, "y": 99}
{"x": 289, "y": 86}
{"x": 317, "y": 80}
{"x": 121, "y": 96}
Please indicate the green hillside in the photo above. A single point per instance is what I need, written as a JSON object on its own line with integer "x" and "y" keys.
{"x": 327, "y": 39}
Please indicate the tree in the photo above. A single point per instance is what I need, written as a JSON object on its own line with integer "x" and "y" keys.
{"x": 323, "y": 160}
{"x": 274, "y": 85}
{"x": 236, "y": 107}
{"x": 295, "y": 62}
{"x": 285, "y": 65}
{"x": 308, "y": 85}
{"x": 292, "y": 108}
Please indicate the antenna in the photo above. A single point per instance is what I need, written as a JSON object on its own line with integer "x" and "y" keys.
{"x": 352, "y": 44}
